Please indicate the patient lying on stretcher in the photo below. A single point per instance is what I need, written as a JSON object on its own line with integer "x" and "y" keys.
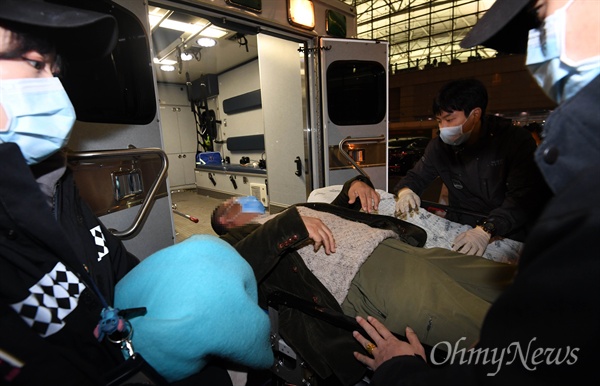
{"x": 360, "y": 264}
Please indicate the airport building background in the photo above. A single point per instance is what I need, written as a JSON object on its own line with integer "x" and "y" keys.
{"x": 424, "y": 53}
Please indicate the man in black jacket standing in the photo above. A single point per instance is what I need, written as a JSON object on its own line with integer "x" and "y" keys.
{"x": 542, "y": 329}
{"x": 486, "y": 164}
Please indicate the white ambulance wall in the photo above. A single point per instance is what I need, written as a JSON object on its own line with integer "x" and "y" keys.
{"x": 233, "y": 83}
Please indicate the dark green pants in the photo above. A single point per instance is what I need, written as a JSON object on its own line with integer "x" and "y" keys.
{"x": 441, "y": 294}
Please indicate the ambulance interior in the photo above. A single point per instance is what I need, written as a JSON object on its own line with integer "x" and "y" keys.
{"x": 208, "y": 103}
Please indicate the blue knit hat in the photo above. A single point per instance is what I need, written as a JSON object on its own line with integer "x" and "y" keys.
{"x": 201, "y": 300}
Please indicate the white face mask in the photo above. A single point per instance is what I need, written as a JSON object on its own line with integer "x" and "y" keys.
{"x": 559, "y": 76}
{"x": 40, "y": 116}
{"x": 454, "y": 135}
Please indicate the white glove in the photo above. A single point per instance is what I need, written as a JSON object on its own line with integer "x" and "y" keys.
{"x": 472, "y": 242}
{"x": 407, "y": 201}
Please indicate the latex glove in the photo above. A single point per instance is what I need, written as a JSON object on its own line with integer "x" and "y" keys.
{"x": 407, "y": 201}
{"x": 472, "y": 242}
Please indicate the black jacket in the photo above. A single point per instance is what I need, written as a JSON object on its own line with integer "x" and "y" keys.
{"x": 40, "y": 245}
{"x": 496, "y": 176}
{"x": 553, "y": 302}
{"x": 271, "y": 251}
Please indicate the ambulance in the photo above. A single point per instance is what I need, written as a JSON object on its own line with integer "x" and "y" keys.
{"x": 272, "y": 98}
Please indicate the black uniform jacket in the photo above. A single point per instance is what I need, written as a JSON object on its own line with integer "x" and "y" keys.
{"x": 42, "y": 256}
{"x": 496, "y": 177}
{"x": 270, "y": 250}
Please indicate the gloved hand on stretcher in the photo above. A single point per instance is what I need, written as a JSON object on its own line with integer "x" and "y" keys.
{"x": 472, "y": 242}
{"x": 407, "y": 202}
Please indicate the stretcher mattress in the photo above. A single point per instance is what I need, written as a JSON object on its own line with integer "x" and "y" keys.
{"x": 440, "y": 232}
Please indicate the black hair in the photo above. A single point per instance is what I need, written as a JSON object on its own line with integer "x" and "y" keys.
{"x": 461, "y": 95}
{"x": 24, "y": 38}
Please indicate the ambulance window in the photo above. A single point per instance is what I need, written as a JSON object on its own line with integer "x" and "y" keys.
{"x": 356, "y": 92}
{"x": 118, "y": 88}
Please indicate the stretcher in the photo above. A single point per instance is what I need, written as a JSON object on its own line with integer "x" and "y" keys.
{"x": 292, "y": 369}
{"x": 289, "y": 367}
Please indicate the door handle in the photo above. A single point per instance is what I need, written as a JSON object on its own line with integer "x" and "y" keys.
{"x": 298, "y": 162}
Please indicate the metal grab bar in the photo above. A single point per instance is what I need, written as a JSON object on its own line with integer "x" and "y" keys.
{"x": 358, "y": 139}
{"x": 149, "y": 199}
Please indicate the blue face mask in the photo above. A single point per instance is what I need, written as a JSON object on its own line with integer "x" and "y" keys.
{"x": 40, "y": 116}
{"x": 557, "y": 75}
{"x": 250, "y": 204}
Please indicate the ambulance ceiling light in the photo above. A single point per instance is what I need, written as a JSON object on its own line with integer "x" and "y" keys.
{"x": 186, "y": 56}
{"x": 201, "y": 27}
{"x": 156, "y": 20}
{"x": 165, "y": 61}
{"x": 301, "y": 13}
{"x": 206, "y": 42}
{"x": 188, "y": 53}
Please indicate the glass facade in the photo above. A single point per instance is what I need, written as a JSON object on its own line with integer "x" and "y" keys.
{"x": 422, "y": 33}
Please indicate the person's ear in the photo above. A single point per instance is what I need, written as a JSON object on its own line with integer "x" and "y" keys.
{"x": 221, "y": 219}
{"x": 477, "y": 112}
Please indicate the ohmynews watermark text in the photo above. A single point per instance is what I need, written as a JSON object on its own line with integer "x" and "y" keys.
{"x": 530, "y": 358}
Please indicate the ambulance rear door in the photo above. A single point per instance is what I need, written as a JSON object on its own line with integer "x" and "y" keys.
{"x": 354, "y": 88}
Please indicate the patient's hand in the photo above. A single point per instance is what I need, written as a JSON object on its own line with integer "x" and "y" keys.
{"x": 387, "y": 345}
{"x": 369, "y": 198}
{"x": 320, "y": 234}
